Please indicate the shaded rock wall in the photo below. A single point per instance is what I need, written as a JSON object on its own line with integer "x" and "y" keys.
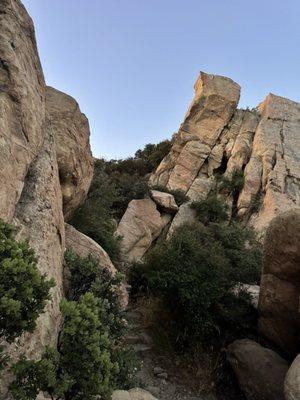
{"x": 279, "y": 308}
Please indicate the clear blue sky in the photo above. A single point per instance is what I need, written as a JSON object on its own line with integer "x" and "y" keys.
{"x": 131, "y": 64}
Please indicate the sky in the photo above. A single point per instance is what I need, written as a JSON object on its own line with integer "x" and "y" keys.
{"x": 131, "y": 64}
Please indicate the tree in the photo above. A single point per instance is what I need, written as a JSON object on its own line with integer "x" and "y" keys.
{"x": 91, "y": 358}
{"x": 24, "y": 291}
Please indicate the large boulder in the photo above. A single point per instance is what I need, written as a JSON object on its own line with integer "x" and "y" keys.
{"x": 292, "y": 381}
{"x": 279, "y": 319}
{"x": 84, "y": 246}
{"x": 165, "y": 201}
{"x": 22, "y": 102}
{"x": 260, "y": 371}
{"x": 74, "y": 156}
{"x": 139, "y": 227}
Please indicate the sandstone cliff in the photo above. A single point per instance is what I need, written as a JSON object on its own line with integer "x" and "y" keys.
{"x": 217, "y": 138}
{"x": 45, "y": 162}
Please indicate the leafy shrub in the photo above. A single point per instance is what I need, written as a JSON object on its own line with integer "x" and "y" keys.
{"x": 233, "y": 184}
{"x": 94, "y": 218}
{"x": 88, "y": 276}
{"x": 153, "y": 154}
{"x": 114, "y": 185}
{"x": 210, "y": 209}
{"x": 196, "y": 270}
{"x": 179, "y": 196}
{"x": 23, "y": 290}
{"x": 91, "y": 359}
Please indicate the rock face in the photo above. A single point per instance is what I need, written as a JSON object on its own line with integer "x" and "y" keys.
{"x": 22, "y": 102}
{"x": 33, "y": 146}
{"x": 292, "y": 381}
{"x": 84, "y": 246}
{"x": 139, "y": 227}
{"x": 75, "y": 161}
{"x": 279, "y": 296}
{"x": 260, "y": 371}
{"x": 217, "y": 138}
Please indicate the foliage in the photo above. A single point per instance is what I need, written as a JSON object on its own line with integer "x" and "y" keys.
{"x": 91, "y": 359}
{"x": 153, "y": 154}
{"x": 210, "y": 209}
{"x": 23, "y": 290}
{"x": 179, "y": 196}
{"x": 114, "y": 185}
{"x": 197, "y": 269}
{"x": 94, "y": 218}
{"x": 233, "y": 184}
{"x": 88, "y": 276}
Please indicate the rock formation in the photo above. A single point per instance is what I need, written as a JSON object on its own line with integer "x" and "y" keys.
{"x": 141, "y": 224}
{"x": 22, "y": 102}
{"x": 216, "y": 138}
{"x": 260, "y": 371}
{"x": 279, "y": 318}
{"x": 74, "y": 157}
{"x": 42, "y": 161}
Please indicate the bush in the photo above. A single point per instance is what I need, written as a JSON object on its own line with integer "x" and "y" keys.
{"x": 153, "y": 154}
{"x": 196, "y": 270}
{"x": 211, "y": 209}
{"x": 114, "y": 185}
{"x": 24, "y": 291}
{"x": 91, "y": 359}
{"x": 233, "y": 184}
{"x": 94, "y": 218}
{"x": 88, "y": 276}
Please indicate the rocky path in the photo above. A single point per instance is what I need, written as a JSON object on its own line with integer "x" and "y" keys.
{"x": 158, "y": 375}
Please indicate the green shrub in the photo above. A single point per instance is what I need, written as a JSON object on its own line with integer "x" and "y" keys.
{"x": 95, "y": 217}
{"x": 88, "y": 276}
{"x": 233, "y": 184}
{"x": 195, "y": 272}
{"x": 153, "y": 154}
{"x": 24, "y": 291}
{"x": 179, "y": 196}
{"x": 210, "y": 209}
{"x": 91, "y": 359}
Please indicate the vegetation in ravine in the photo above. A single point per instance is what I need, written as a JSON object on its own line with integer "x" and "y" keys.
{"x": 24, "y": 291}
{"x": 115, "y": 184}
{"x": 196, "y": 271}
{"x": 91, "y": 358}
